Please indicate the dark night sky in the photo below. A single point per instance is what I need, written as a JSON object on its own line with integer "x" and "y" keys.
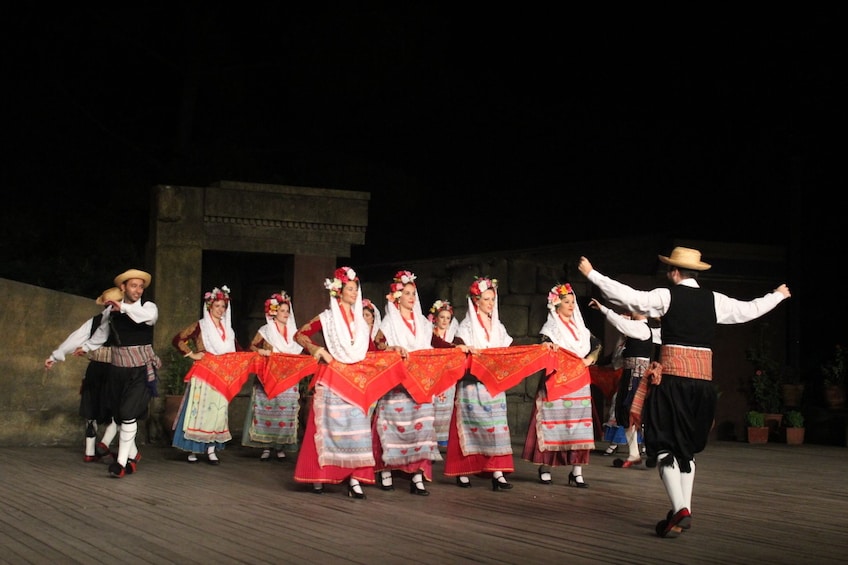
{"x": 578, "y": 124}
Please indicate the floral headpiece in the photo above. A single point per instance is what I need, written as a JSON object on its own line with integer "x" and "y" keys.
{"x": 273, "y": 303}
{"x": 366, "y": 303}
{"x": 401, "y": 279}
{"x": 341, "y": 277}
{"x": 437, "y": 307}
{"x": 216, "y": 293}
{"x": 480, "y": 285}
{"x": 557, "y": 293}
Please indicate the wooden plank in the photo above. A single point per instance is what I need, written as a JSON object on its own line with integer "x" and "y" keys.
{"x": 752, "y": 503}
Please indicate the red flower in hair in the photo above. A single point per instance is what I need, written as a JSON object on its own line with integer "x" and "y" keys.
{"x": 482, "y": 284}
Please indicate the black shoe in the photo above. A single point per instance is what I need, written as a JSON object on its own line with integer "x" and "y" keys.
{"x": 572, "y": 481}
{"x": 266, "y": 456}
{"x": 463, "y": 484}
{"x": 385, "y": 484}
{"x": 544, "y": 481}
{"x": 498, "y": 484}
{"x": 418, "y": 488}
{"x": 351, "y": 492}
{"x": 116, "y": 471}
{"x": 132, "y": 464}
{"x": 317, "y": 490}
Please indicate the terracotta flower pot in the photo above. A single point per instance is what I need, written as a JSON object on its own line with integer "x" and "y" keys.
{"x": 794, "y": 436}
{"x": 758, "y": 435}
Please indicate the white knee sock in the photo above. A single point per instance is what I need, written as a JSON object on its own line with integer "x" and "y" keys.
{"x": 90, "y": 437}
{"x": 126, "y": 445}
{"x": 687, "y": 481}
{"x": 632, "y": 443}
{"x": 670, "y": 475}
{"x": 210, "y": 452}
{"x": 109, "y": 433}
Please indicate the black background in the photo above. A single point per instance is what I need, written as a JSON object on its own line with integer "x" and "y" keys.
{"x": 463, "y": 124}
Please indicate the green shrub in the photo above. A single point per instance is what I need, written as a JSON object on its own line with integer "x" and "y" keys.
{"x": 755, "y": 419}
{"x": 795, "y": 419}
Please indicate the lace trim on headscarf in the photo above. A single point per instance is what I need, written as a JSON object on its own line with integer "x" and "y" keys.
{"x": 279, "y": 344}
{"x": 212, "y": 340}
{"x": 555, "y": 329}
{"x": 398, "y": 332}
{"x": 337, "y": 334}
{"x": 474, "y": 334}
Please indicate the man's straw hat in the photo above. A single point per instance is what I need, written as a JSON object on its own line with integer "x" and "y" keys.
{"x": 133, "y": 274}
{"x": 113, "y": 294}
{"x": 685, "y": 258}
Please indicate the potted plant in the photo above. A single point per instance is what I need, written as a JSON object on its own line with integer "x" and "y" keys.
{"x": 834, "y": 378}
{"x": 766, "y": 382}
{"x": 175, "y": 366}
{"x": 793, "y": 388}
{"x": 757, "y": 429}
{"x": 794, "y": 427}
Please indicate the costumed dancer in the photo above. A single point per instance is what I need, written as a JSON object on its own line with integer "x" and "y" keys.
{"x": 639, "y": 346}
{"x": 133, "y": 373}
{"x": 202, "y": 425}
{"x": 337, "y": 445}
{"x": 679, "y": 405}
{"x": 444, "y": 329}
{"x": 549, "y": 443}
{"x": 92, "y": 340}
{"x": 404, "y": 436}
{"x": 271, "y": 423}
{"x": 479, "y": 442}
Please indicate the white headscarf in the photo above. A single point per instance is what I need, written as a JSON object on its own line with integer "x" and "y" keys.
{"x": 272, "y": 335}
{"x": 337, "y": 335}
{"x": 397, "y": 331}
{"x": 555, "y": 329}
{"x": 473, "y": 333}
{"x": 212, "y": 340}
{"x": 378, "y": 319}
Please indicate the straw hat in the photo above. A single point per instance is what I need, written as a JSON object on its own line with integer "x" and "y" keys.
{"x": 685, "y": 258}
{"x": 113, "y": 294}
{"x": 133, "y": 274}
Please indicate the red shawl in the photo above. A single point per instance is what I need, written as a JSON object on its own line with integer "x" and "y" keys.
{"x": 364, "y": 382}
{"x": 284, "y": 370}
{"x": 501, "y": 368}
{"x": 226, "y": 372}
{"x": 433, "y": 371}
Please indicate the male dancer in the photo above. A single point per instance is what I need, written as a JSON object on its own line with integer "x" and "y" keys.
{"x": 90, "y": 339}
{"x": 132, "y": 376}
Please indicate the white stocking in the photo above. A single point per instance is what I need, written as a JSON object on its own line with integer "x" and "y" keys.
{"x": 109, "y": 433}
{"x": 670, "y": 475}
{"x": 632, "y": 444}
{"x": 126, "y": 444}
{"x": 687, "y": 481}
{"x": 90, "y": 437}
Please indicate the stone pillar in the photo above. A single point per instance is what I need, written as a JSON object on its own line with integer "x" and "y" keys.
{"x": 177, "y": 239}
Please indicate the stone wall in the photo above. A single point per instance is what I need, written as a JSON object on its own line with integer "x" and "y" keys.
{"x": 40, "y": 408}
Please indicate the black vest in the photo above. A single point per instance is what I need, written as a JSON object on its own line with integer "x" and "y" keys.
{"x": 691, "y": 318}
{"x": 125, "y": 332}
{"x": 635, "y": 347}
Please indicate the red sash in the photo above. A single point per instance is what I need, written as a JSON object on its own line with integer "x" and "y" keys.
{"x": 284, "y": 370}
{"x": 364, "y": 382}
{"x": 433, "y": 371}
{"x": 606, "y": 379}
{"x": 226, "y": 372}
{"x": 501, "y": 368}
